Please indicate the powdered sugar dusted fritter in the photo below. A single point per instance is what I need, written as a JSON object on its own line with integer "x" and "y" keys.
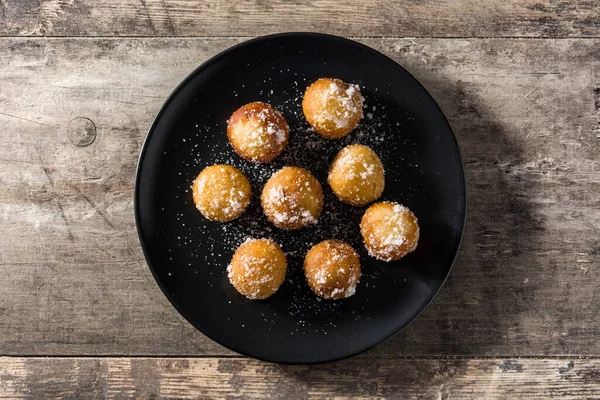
{"x": 356, "y": 175}
{"x": 257, "y": 132}
{"x": 332, "y": 269}
{"x": 221, "y": 192}
{"x": 292, "y": 198}
{"x": 390, "y": 230}
{"x": 257, "y": 268}
{"x": 332, "y": 107}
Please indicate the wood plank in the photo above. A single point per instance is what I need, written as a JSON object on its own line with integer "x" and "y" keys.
{"x": 219, "y": 378}
{"x": 425, "y": 18}
{"x": 526, "y": 113}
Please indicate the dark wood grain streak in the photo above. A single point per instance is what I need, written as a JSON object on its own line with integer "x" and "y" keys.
{"x": 423, "y": 18}
{"x": 218, "y": 378}
{"x": 72, "y": 276}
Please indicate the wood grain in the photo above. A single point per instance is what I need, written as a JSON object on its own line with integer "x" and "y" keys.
{"x": 526, "y": 114}
{"x": 231, "y": 378}
{"x": 424, "y": 18}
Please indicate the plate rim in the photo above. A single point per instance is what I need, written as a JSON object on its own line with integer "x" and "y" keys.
{"x": 150, "y": 132}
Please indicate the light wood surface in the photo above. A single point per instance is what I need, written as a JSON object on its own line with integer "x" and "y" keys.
{"x": 430, "y": 18}
{"x": 525, "y": 283}
{"x": 521, "y": 305}
{"x": 234, "y": 378}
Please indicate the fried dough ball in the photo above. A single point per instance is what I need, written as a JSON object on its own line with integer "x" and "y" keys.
{"x": 390, "y": 231}
{"x": 292, "y": 198}
{"x": 332, "y": 107}
{"x": 221, "y": 192}
{"x": 257, "y": 268}
{"x": 332, "y": 269}
{"x": 356, "y": 175}
{"x": 257, "y": 132}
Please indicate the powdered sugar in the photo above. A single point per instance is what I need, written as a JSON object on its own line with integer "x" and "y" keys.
{"x": 212, "y": 244}
{"x": 218, "y": 193}
{"x": 256, "y": 268}
{"x": 275, "y": 195}
{"x": 389, "y": 236}
{"x": 292, "y": 198}
{"x": 258, "y": 131}
{"x": 338, "y": 105}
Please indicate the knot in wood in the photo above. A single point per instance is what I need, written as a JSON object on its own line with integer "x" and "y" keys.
{"x": 82, "y": 131}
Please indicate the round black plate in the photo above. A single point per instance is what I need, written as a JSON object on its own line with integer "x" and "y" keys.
{"x": 188, "y": 254}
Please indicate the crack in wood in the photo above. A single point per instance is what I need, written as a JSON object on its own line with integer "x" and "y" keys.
{"x": 94, "y": 206}
{"x": 58, "y": 203}
{"x": 143, "y": 2}
{"x": 171, "y": 27}
{"x": 23, "y": 119}
{"x": 57, "y": 200}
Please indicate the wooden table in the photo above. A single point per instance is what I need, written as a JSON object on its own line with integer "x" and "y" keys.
{"x": 80, "y": 314}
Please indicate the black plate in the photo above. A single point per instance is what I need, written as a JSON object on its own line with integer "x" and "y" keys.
{"x": 188, "y": 254}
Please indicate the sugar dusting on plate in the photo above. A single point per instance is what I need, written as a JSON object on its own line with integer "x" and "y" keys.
{"x": 308, "y": 150}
